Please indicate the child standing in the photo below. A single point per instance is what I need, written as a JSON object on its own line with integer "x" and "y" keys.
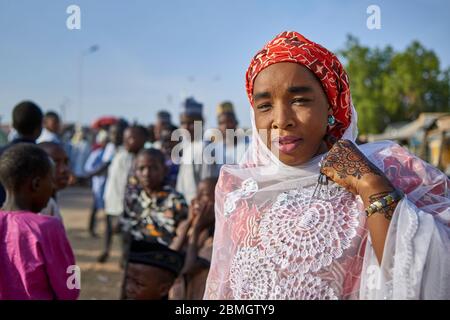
{"x": 153, "y": 210}
{"x": 118, "y": 172}
{"x": 35, "y": 254}
{"x": 97, "y": 165}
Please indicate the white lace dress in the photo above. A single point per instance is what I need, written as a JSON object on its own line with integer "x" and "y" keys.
{"x": 273, "y": 241}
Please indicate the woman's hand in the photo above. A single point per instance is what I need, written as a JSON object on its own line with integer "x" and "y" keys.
{"x": 347, "y": 166}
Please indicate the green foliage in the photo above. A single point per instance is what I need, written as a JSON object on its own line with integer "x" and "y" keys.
{"x": 389, "y": 86}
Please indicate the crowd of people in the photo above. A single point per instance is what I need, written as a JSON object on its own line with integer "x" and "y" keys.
{"x": 162, "y": 209}
{"x": 307, "y": 212}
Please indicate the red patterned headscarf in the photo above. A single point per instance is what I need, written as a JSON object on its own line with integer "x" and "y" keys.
{"x": 290, "y": 46}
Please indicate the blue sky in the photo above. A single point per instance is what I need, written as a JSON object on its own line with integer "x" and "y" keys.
{"x": 154, "y": 53}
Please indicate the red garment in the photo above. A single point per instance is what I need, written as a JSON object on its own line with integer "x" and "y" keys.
{"x": 290, "y": 46}
{"x": 104, "y": 121}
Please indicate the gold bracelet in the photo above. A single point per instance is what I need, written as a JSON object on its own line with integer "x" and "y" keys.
{"x": 384, "y": 202}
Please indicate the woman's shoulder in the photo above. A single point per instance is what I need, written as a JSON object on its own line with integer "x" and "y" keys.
{"x": 399, "y": 163}
{"x": 371, "y": 148}
{"x": 423, "y": 183}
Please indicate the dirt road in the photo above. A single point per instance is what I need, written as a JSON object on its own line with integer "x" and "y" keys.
{"x": 98, "y": 281}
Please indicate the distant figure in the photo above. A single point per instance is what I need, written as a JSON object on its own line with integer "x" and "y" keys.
{"x": 62, "y": 175}
{"x": 35, "y": 254}
{"x": 163, "y": 122}
{"x": 27, "y": 122}
{"x": 95, "y": 162}
{"x": 80, "y": 149}
{"x": 233, "y": 146}
{"x": 3, "y": 137}
{"x": 167, "y": 146}
{"x": 190, "y": 173}
{"x": 52, "y": 128}
{"x": 118, "y": 173}
{"x": 151, "y": 137}
{"x": 97, "y": 165}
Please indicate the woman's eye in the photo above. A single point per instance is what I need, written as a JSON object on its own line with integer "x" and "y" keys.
{"x": 263, "y": 107}
{"x": 301, "y": 101}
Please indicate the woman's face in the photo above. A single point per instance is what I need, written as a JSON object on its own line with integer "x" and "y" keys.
{"x": 290, "y": 104}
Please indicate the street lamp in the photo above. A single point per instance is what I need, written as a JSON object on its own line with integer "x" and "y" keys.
{"x": 84, "y": 53}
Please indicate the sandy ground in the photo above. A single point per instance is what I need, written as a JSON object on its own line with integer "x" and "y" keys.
{"x": 98, "y": 281}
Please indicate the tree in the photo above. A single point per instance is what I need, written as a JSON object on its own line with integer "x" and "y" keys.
{"x": 390, "y": 86}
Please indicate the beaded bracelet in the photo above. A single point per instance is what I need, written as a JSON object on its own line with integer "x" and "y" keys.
{"x": 384, "y": 202}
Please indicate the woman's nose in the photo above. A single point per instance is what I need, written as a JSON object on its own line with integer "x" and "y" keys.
{"x": 283, "y": 118}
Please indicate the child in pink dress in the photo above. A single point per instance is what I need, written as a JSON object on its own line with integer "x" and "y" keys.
{"x": 36, "y": 260}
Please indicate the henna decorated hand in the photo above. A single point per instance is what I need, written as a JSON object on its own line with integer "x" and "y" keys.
{"x": 347, "y": 166}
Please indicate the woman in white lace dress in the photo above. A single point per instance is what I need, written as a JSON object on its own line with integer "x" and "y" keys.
{"x": 307, "y": 214}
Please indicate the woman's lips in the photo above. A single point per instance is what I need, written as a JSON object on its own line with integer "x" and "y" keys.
{"x": 287, "y": 144}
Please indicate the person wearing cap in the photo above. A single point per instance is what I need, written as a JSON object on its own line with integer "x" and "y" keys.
{"x": 150, "y": 271}
{"x": 233, "y": 145}
{"x": 167, "y": 145}
{"x": 191, "y": 173}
